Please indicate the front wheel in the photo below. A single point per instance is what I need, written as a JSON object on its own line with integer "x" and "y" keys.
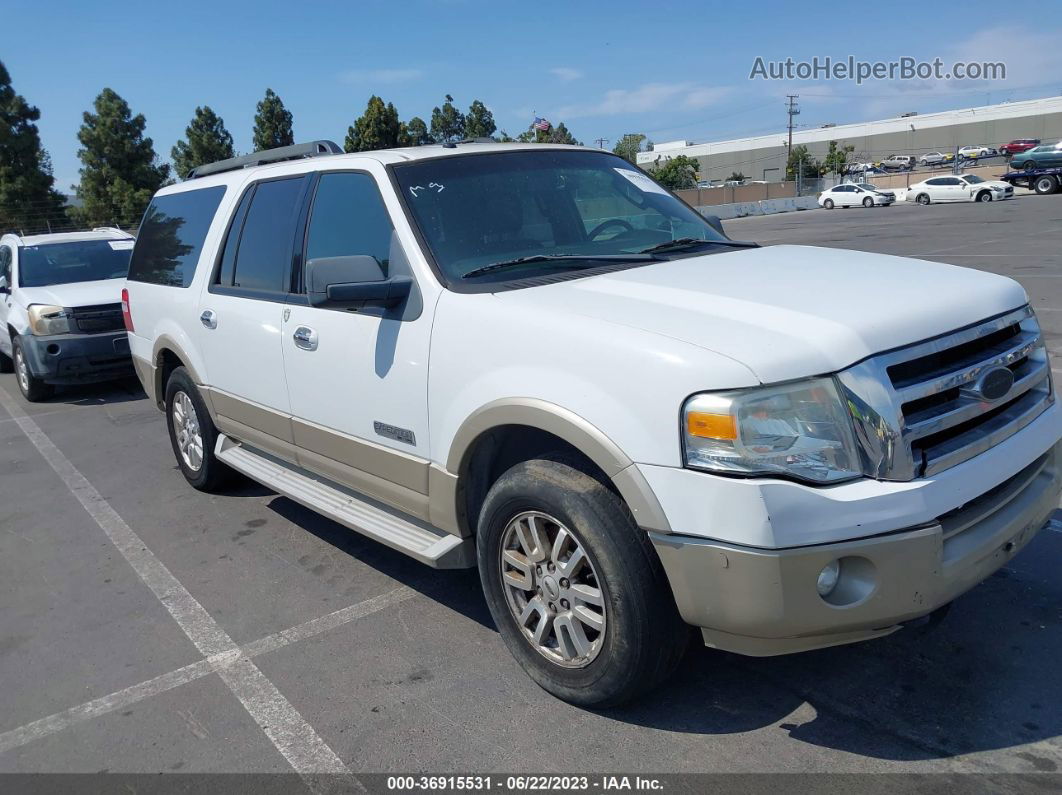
{"x": 923, "y": 199}
{"x": 828, "y": 204}
{"x": 575, "y": 587}
{"x": 868, "y": 202}
{"x": 192, "y": 433}
{"x": 984, "y": 196}
{"x": 1045, "y": 185}
{"x": 32, "y": 388}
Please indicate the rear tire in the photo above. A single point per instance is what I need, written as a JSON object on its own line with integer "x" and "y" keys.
{"x": 1030, "y": 165}
{"x": 192, "y": 433}
{"x": 1045, "y": 185}
{"x": 32, "y": 388}
{"x": 597, "y": 634}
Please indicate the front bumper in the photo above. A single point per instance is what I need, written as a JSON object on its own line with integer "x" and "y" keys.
{"x": 78, "y": 358}
{"x": 764, "y": 602}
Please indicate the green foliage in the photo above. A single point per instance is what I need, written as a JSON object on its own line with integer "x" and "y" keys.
{"x": 810, "y": 167}
{"x": 504, "y": 138}
{"x": 415, "y": 133}
{"x": 447, "y": 122}
{"x": 479, "y": 122}
{"x": 28, "y": 200}
{"x": 377, "y": 128}
{"x": 119, "y": 170}
{"x": 272, "y": 123}
{"x": 736, "y": 176}
{"x": 677, "y": 173}
{"x": 629, "y": 146}
{"x": 836, "y": 158}
{"x": 554, "y": 135}
{"x": 207, "y": 142}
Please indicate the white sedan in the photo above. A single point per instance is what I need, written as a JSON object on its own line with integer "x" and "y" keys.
{"x": 959, "y": 188}
{"x": 852, "y": 195}
{"x": 974, "y": 152}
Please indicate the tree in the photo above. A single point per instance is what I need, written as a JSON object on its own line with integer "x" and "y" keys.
{"x": 837, "y": 158}
{"x": 554, "y": 135}
{"x": 677, "y": 173}
{"x": 28, "y": 199}
{"x": 504, "y": 138}
{"x": 479, "y": 122}
{"x": 416, "y": 133}
{"x": 120, "y": 171}
{"x": 629, "y": 146}
{"x": 377, "y": 128}
{"x": 736, "y": 176}
{"x": 272, "y": 123}
{"x": 447, "y": 122}
{"x": 810, "y": 167}
{"x": 208, "y": 142}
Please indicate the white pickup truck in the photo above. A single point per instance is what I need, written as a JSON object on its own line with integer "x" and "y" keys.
{"x": 536, "y": 360}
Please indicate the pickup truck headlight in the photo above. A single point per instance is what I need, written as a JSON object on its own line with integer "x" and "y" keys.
{"x": 801, "y": 430}
{"x": 45, "y": 320}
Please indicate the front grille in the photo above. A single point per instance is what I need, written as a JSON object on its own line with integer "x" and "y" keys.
{"x": 98, "y": 319}
{"x": 932, "y": 414}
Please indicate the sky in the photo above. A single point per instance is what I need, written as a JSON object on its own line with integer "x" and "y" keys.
{"x": 667, "y": 69}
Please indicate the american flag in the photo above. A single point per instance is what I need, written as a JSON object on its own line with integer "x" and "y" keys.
{"x": 541, "y": 124}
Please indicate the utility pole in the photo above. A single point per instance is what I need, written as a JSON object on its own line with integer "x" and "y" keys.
{"x": 793, "y": 110}
{"x": 601, "y": 142}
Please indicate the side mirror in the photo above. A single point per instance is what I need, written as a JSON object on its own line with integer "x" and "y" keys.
{"x": 716, "y": 224}
{"x": 353, "y": 282}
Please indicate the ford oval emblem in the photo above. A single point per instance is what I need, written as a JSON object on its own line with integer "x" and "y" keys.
{"x": 996, "y": 383}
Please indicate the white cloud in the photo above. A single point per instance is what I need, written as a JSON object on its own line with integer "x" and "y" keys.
{"x": 649, "y": 97}
{"x": 388, "y": 76}
{"x": 565, "y": 73}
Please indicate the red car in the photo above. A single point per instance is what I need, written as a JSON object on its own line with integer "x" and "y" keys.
{"x": 1019, "y": 145}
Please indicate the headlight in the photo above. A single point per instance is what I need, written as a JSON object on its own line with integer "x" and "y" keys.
{"x": 801, "y": 430}
{"x": 45, "y": 320}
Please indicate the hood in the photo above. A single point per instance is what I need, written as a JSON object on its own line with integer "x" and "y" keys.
{"x": 106, "y": 291}
{"x": 785, "y": 312}
{"x": 992, "y": 183}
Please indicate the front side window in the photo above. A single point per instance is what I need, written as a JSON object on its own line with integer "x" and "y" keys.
{"x": 76, "y": 261}
{"x": 554, "y": 210}
{"x": 263, "y": 256}
{"x": 5, "y": 264}
{"x": 171, "y": 236}
{"x": 973, "y": 179}
{"x": 349, "y": 219}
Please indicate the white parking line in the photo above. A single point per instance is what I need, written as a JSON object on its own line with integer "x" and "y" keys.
{"x": 53, "y": 724}
{"x": 289, "y": 732}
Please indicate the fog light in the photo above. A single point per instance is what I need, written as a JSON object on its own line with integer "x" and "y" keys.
{"x": 828, "y": 577}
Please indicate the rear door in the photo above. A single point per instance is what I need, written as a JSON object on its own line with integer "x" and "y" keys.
{"x": 242, "y": 314}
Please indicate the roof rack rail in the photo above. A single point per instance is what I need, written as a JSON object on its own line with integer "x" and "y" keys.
{"x": 296, "y": 152}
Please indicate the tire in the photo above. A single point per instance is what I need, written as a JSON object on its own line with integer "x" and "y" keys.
{"x": 984, "y": 196}
{"x": 922, "y": 198}
{"x": 187, "y": 417}
{"x": 1030, "y": 165}
{"x": 828, "y": 204}
{"x": 868, "y": 202}
{"x": 32, "y": 388}
{"x": 1045, "y": 185}
{"x": 642, "y": 639}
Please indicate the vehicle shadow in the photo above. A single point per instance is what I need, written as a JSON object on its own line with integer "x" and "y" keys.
{"x": 124, "y": 390}
{"x": 983, "y": 679}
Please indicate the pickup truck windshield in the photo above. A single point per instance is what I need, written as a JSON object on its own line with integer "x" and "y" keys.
{"x": 539, "y": 211}
{"x": 79, "y": 261}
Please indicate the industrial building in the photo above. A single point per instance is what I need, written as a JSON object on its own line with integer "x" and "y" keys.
{"x": 764, "y": 157}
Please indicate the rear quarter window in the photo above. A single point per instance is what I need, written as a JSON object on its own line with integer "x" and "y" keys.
{"x": 171, "y": 236}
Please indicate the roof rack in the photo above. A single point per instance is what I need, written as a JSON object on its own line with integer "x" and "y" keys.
{"x": 296, "y": 152}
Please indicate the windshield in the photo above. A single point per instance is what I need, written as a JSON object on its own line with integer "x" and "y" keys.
{"x": 477, "y": 210}
{"x": 80, "y": 261}
{"x": 973, "y": 179}
{"x": 867, "y": 186}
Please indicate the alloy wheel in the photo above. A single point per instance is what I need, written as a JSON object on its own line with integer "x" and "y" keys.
{"x": 22, "y": 370}
{"x": 186, "y": 429}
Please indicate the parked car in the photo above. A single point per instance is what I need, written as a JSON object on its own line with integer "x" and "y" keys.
{"x": 853, "y": 195}
{"x": 936, "y": 158}
{"x": 960, "y": 188}
{"x": 975, "y": 152}
{"x": 1042, "y": 156}
{"x": 61, "y": 310}
{"x": 1018, "y": 145}
{"x": 898, "y": 163}
{"x": 861, "y": 168}
{"x": 627, "y": 420}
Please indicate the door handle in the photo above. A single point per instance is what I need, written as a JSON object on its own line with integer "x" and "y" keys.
{"x": 305, "y": 338}
{"x": 208, "y": 318}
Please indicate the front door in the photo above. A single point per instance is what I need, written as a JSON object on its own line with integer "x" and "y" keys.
{"x": 358, "y": 379}
{"x": 241, "y": 315}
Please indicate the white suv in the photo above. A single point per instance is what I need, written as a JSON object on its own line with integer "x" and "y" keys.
{"x": 535, "y": 359}
{"x": 60, "y": 310}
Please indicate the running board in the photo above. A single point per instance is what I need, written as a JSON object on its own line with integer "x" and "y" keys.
{"x": 419, "y": 540}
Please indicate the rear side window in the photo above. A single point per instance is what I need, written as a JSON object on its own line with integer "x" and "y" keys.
{"x": 171, "y": 236}
{"x": 263, "y": 257}
{"x": 349, "y": 218}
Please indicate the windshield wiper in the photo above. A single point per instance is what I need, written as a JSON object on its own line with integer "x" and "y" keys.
{"x": 688, "y": 242}
{"x": 641, "y": 256}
